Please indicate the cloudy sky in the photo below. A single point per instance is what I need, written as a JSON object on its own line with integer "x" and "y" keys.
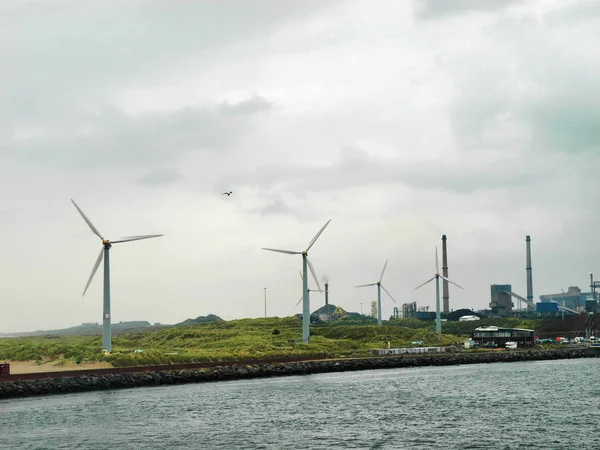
{"x": 400, "y": 121}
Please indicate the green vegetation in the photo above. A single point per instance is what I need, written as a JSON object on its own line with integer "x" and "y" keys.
{"x": 246, "y": 339}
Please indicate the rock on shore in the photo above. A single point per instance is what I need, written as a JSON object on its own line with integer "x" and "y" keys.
{"x": 63, "y": 385}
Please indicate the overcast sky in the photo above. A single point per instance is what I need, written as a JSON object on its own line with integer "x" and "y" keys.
{"x": 400, "y": 121}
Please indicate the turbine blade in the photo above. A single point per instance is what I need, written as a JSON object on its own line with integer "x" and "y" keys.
{"x": 301, "y": 277}
{"x": 299, "y": 301}
{"x": 365, "y": 285}
{"x": 88, "y": 221}
{"x": 437, "y": 264}
{"x": 314, "y": 274}
{"x": 388, "y": 293}
{"x": 383, "y": 271}
{"x": 289, "y": 252}
{"x": 96, "y": 265}
{"x": 421, "y": 285}
{"x": 311, "y": 243}
{"x": 135, "y": 238}
{"x": 452, "y": 282}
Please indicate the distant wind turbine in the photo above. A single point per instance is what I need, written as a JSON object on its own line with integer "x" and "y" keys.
{"x": 379, "y": 288}
{"x": 309, "y": 291}
{"x": 436, "y": 277}
{"x": 104, "y": 254}
{"x": 305, "y": 263}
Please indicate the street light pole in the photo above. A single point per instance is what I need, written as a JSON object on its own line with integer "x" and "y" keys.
{"x": 265, "y": 303}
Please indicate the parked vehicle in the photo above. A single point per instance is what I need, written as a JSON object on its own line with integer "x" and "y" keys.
{"x": 510, "y": 345}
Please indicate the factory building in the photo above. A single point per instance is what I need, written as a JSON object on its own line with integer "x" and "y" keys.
{"x": 573, "y": 298}
{"x": 501, "y": 301}
{"x": 498, "y": 337}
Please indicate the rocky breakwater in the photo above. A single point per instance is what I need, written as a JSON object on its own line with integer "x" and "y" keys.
{"x": 90, "y": 382}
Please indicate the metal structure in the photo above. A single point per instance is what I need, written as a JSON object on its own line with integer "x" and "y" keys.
{"x": 374, "y": 308}
{"x": 379, "y": 288}
{"x": 592, "y": 309}
{"x": 265, "y": 303}
{"x": 309, "y": 291}
{"x": 445, "y": 291}
{"x": 436, "y": 277}
{"x": 530, "y": 304}
{"x": 305, "y": 265}
{"x": 105, "y": 254}
{"x": 327, "y": 312}
{"x": 409, "y": 310}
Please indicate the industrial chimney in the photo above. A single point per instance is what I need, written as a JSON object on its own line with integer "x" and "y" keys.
{"x": 445, "y": 294}
{"x": 529, "y": 275}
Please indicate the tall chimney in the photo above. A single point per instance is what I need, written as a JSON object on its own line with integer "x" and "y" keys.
{"x": 445, "y": 295}
{"x": 529, "y": 275}
{"x": 326, "y": 298}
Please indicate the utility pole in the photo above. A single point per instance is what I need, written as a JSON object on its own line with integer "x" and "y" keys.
{"x": 265, "y": 303}
{"x": 361, "y": 314}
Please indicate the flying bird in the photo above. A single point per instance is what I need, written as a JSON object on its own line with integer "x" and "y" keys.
{"x": 227, "y": 193}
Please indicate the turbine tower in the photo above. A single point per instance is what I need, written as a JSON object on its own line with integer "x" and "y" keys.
{"x": 379, "y": 288}
{"x": 104, "y": 254}
{"x": 305, "y": 263}
{"x": 436, "y": 277}
{"x": 309, "y": 291}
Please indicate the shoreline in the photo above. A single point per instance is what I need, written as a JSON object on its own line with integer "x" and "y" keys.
{"x": 231, "y": 371}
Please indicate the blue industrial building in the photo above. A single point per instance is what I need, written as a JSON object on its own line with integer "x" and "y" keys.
{"x": 572, "y": 299}
{"x": 546, "y": 308}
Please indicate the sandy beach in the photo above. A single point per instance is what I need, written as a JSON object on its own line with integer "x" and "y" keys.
{"x": 53, "y": 366}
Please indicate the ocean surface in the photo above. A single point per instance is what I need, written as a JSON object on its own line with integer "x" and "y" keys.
{"x": 530, "y": 405}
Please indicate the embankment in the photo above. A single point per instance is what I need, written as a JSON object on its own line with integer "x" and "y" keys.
{"x": 99, "y": 381}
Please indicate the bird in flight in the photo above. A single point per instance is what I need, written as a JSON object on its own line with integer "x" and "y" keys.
{"x": 227, "y": 193}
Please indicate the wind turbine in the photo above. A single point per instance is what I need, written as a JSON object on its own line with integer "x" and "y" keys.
{"x": 436, "y": 277}
{"x": 104, "y": 254}
{"x": 379, "y": 288}
{"x": 305, "y": 263}
{"x": 309, "y": 291}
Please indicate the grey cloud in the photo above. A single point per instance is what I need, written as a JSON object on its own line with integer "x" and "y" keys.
{"x": 356, "y": 167}
{"x": 68, "y": 52}
{"x": 273, "y": 206}
{"x": 106, "y": 137}
{"x": 580, "y": 11}
{"x": 162, "y": 176}
{"x": 253, "y": 105}
{"x": 434, "y": 9}
{"x": 567, "y": 121}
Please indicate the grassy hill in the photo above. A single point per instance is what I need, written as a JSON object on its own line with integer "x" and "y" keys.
{"x": 252, "y": 339}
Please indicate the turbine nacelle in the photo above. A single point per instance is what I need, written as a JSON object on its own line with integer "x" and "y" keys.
{"x": 378, "y": 283}
{"x": 106, "y": 243}
{"x": 304, "y": 253}
{"x": 437, "y": 274}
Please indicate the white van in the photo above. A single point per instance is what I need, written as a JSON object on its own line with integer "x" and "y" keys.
{"x": 510, "y": 345}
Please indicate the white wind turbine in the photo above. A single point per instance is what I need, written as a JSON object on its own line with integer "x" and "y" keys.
{"x": 305, "y": 263}
{"x": 104, "y": 254}
{"x": 309, "y": 291}
{"x": 379, "y": 288}
{"x": 436, "y": 277}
